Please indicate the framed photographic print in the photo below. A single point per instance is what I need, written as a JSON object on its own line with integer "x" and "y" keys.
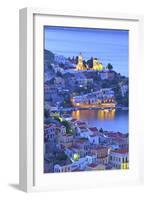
{"x": 80, "y": 80}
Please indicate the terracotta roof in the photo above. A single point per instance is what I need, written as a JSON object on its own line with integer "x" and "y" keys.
{"x": 92, "y": 165}
{"x": 48, "y": 125}
{"x": 116, "y": 135}
{"x": 81, "y": 140}
{"x": 102, "y": 157}
{"x": 79, "y": 122}
{"x": 73, "y": 120}
{"x": 119, "y": 140}
{"x": 121, "y": 151}
{"x": 93, "y": 129}
{"x": 99, "y": 147}
{"x": 73, "y": 148}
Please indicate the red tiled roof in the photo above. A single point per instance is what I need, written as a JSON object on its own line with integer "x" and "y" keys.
{"x": 116, "y": 134}
{"x": 78, "y": 122}
{"x": 93, "y": 129}
{"x": 48, "y": 125}
{"x": 119, "y": 140}
{"x": 74, "y": 146}
{"x": 92, "y": 165}
{"x": 81, "y": 141}
{"x": 73, "y": 120}
{"x": 121, "y": 151}
{"x": 102, "y": 157}
{"x": 99, "y": 147}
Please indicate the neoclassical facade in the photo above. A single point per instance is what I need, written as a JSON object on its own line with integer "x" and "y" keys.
{"x": 96, "y": 64}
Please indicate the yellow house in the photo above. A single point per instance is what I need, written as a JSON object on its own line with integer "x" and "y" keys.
{"x": 119, "y": 158}
{"x": 125, "y": 165}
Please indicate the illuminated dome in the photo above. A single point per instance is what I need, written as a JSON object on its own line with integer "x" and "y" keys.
{"x": 96, "y": 65}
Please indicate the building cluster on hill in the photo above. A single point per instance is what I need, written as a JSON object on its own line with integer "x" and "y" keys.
{"x": 87, "y": 148}
{"x": 71, "y": 144}
{"x": 104, "y": 98}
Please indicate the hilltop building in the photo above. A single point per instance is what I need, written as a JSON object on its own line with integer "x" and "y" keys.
{"x": 80, "y": 65}
{"x": 96, "y": 64}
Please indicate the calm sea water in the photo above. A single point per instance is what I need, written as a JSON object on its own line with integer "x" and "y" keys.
{"x": 108, "y": 120}
{"x": 109, "y": 46}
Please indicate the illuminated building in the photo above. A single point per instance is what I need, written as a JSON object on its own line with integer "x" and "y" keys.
{"x": 80, "y": 65}
{"x": 97, "y": 65}
{"x": 103, "y": 98}
{"x": 119, "y": 158}
{"x": 77, "y": 165}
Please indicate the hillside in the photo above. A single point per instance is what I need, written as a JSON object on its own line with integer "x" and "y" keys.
{"x": 48, "y": 56}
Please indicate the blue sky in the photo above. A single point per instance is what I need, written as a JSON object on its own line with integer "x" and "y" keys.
{"x": 109, "y": 46}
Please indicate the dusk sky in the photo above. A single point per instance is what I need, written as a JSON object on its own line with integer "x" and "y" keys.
{"x": 109, "y": 46}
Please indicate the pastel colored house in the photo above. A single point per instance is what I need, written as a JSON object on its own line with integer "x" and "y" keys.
{"x": 66, "y": 140}
{"x": 101, "y": 153}
{"x": 119, "y": 158}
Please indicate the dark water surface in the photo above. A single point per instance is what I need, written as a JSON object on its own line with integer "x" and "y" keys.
{"x": 114, "y": 120}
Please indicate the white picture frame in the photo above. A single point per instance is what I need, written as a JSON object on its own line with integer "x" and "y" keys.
{"x": 31, "y": 99}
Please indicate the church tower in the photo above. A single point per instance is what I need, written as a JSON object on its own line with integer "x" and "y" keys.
{"x": 80, "y": 65}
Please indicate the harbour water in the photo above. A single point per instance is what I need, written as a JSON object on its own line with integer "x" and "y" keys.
{"x": 110, "y": 120}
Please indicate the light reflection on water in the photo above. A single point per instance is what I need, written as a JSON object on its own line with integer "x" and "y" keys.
{"x": 112, "y": 120}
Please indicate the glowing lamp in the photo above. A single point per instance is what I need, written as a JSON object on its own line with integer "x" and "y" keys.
{"x": 76, "y": 156}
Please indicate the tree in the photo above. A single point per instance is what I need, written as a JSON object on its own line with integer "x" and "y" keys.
{"x": 69, "y": 58}
{"x": 59, "y": 74}
{"x": 57, "y": 118}
{"x": 109, "y": 66}
{"x": 73, "y": 59}
{"x": 101, "y": 130}
{"x": 46, "y": 113}
{"x": 90, "y": 63}
{"x": 68, "y": 127}
{"x": 84, "y": 63}
{"x": 61, "y": 65}
{"x": 61, "y": 156}
{"x": 76, "y": 60}
{"x": 125, "y": 100}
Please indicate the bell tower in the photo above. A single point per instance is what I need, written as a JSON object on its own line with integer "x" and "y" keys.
{"x": 80, "y": 62}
